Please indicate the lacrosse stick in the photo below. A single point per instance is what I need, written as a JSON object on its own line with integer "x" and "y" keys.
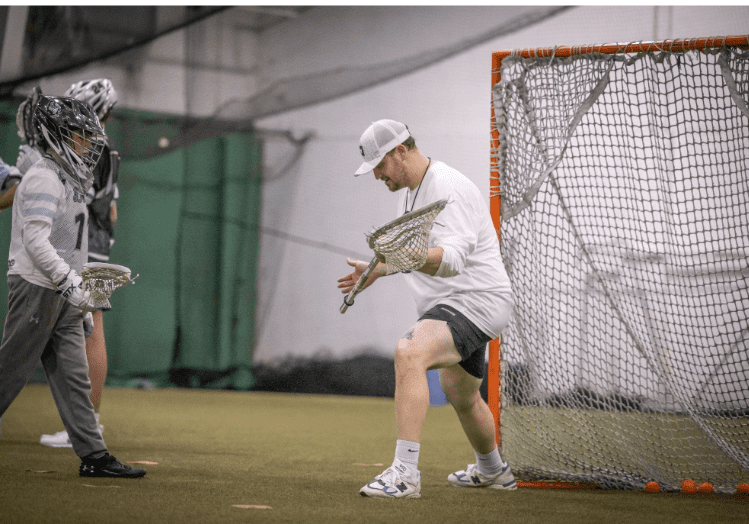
{"x": 403, "y": 243}
{"x": 101, "y": 279}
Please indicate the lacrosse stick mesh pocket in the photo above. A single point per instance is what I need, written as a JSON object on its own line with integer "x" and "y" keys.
{"x": 405, "y": 245}
{"x": 101, "y": 283}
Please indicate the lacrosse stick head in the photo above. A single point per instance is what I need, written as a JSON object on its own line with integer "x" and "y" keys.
{"x": 101, "y": 279}
{"x": 404, "y": 242}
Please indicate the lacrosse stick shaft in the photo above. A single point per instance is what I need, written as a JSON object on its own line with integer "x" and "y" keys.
{"x": 348, "y": 300}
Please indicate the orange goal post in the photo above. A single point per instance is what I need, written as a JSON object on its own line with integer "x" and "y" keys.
{"x": 619, "y": 189}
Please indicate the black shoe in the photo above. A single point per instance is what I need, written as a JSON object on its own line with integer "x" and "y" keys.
{"x": 108, "y": 466}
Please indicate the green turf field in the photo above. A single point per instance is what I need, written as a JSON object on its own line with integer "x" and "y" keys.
{"x": 303, "y": 456}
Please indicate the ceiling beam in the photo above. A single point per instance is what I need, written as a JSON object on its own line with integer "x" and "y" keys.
{"x": 11, "y": 57}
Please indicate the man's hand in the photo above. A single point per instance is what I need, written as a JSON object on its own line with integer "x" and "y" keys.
{"x": 71, "y": 288}
{"x": 347, "y": 283}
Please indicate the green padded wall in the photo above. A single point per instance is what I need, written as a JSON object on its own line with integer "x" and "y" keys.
{"x": 188, "y": 225}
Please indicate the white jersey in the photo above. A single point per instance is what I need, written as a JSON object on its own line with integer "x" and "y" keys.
{"x": 49, "y": 235}
{"x": 472, "y": 277}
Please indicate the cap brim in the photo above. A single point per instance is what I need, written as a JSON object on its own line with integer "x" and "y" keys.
{"x": 367, "y": 167}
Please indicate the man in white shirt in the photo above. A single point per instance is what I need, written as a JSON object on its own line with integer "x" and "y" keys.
{"x": 464, "y": 299}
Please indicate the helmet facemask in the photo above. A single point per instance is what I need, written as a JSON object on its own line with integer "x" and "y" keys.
{"x": 81, "y": 150}
{"x": 71, "y": 129}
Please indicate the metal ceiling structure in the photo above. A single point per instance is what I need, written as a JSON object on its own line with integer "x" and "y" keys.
{"x": 59, "y": 38}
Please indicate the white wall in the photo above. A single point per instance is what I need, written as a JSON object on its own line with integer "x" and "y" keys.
{"x": 447, "y": 107}
{"x": 317, "y": 200}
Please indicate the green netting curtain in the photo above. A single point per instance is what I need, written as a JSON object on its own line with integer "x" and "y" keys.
{"x": 188, "y": 225}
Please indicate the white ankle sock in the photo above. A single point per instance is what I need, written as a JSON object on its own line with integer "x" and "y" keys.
{"x": 489, "y": 465}
{"x": 408, "y": 453}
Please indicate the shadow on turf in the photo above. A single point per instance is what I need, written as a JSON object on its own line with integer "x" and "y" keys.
{"x": 364, "y": 375}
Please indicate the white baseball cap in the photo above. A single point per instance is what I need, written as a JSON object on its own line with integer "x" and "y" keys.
{"x": 378, "y": 140}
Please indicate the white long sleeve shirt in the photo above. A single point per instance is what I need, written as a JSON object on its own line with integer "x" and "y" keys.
{"x": 49, "y": 235}
{"x": 472, "y": 277}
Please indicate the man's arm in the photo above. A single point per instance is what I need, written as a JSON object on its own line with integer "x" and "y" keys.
{"x": 6, "y": 199}
{"x": 434, "y": 261}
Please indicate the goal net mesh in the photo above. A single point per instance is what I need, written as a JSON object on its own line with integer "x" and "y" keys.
{"x": 623, "y": 181}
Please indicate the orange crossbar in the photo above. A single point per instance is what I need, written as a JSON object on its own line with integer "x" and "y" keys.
{"x": 546, "y": 484}
{"x": 637, "y": 47}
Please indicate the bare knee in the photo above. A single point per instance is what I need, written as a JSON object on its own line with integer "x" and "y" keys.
{"x": 461, "y": 389}
{"x": 408, "y": 358}
{"x": 464, "y": 403}
{"x": 459, "y": 398}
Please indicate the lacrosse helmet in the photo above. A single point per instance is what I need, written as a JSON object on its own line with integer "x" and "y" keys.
{"x": 72, "y": 130}
{"x": 99, "y": 93}
{"x": 27, "y": 130}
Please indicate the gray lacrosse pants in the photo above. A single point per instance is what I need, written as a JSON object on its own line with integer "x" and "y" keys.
{"x": 42, "y": 324}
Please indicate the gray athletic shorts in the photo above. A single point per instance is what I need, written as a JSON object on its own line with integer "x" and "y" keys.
{"x": 470, "y": 340}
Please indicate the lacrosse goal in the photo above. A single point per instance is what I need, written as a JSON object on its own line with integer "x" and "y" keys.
{"x": 620, "y": 191}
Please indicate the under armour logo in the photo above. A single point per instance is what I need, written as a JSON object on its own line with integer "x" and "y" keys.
{"x": 361, "y": 148}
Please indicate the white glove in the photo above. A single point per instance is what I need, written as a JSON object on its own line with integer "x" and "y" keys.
{"x": 71, "y": 288}
{"x": 27, "y": 157}
{"x": 88, "y": 324}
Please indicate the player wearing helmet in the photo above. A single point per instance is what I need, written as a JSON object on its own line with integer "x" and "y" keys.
{"x": 99, "y": 94}
{"x": 101, "y": 200}
{"x": 46, "y": 302}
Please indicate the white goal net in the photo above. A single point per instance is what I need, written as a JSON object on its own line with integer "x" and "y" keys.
{"x": 622, "y": 174}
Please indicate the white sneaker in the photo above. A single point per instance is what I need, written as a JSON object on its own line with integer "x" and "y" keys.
{"x": 394, "y": 482}
{"x": 60, "y": 439}
{"x": 471, "y": 478}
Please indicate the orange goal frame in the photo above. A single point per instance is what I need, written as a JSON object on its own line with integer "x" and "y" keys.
{"x": 494, "y": 379}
